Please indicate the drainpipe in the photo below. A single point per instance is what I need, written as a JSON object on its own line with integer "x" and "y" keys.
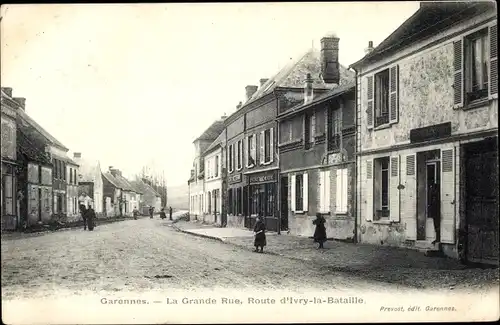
{"x": 278, "y": 190}
{"x": 356, "y": 161}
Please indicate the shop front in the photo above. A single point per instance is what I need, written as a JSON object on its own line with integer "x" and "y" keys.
{"x": 237, "y": 206}
{"x": 262, "y": 194}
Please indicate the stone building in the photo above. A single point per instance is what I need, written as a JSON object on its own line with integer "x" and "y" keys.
{"x": 118, "y": 194}
{"x": 72, "y": 207}
{"x": 90, "y": 183}
{"x": 10, "y": 208}
{"x": 196, "y": 181}
{"x": 427, "y": 137}
{"x": 149, "y": 197}
{"x": 212, "y": 210}
{"x": 251, "y": 133}
{"x": 316, "y": 155}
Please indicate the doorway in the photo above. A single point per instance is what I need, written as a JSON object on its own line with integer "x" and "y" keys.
{"x": 433, "y": 200}
{"x": 428, "y": 194}
{"x": 284, "y": 204}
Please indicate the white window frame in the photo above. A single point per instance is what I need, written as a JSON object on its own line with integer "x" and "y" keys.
{"x": 341, "y": 193}
{"x": 324, "y": 191}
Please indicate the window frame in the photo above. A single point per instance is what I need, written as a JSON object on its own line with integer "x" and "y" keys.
{"x": 381, "y": 212}
{"x": 381, "y": 118}
{"x": 267, "y": 146}
{"x": 299, "y": 193}
{"x": 471, "y": 95}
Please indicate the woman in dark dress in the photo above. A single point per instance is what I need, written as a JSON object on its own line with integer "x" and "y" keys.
{"x": 260, "y": 235}
{"x": 162, "y": 213}
{"x": 320, "y": 231}
{"x": 90, "y": 214}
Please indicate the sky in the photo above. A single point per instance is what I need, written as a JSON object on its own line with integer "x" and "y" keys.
{"x": 134, "y": 84}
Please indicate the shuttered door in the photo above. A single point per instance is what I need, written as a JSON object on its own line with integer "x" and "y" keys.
{"x": 369, "y": 189}
{"x": 394, "y": 190}
{"x": 447, "y": 196}
{"x": 409, "y": 196}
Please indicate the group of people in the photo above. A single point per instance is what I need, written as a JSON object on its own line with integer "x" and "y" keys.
{"x": 88, "y": 216}
{"x": 260, "y": 233}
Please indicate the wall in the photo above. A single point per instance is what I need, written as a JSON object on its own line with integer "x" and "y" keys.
{"x": 8, "y": 136}
{"x": 211, "y": 184}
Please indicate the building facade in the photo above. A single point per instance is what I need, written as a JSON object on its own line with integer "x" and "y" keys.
{"x": 90, "y": 183}
{"x": 428, "y": 131}
{"x": 9, "y": 204}
{"x": 72, "y": 208}
{"x": 212, "y": 212}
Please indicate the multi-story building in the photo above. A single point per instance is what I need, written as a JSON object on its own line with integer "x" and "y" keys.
{"x": 118, "y": 193}
{"x": 10, "y": 209}
{"x": 196, "y": 181}
{"x": 90, "y": 183}
{"x": 148, "y": 196}
{"x": 427, "y": 112}
{"x": 251, "y": 132}
{"x": 212, "y": 210}
{"x": 72, "y": 208}
{"x": 316, "y": 153}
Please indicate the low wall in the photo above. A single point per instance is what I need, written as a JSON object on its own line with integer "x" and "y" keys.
{"x": 235, "y": 221}
{"x": 341, "y": 228}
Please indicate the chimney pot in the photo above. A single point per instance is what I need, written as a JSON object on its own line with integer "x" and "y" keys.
{"x": 263, "y": 81}
{"x": 250, "y": 90}
{"x": 239, "y": 105}
{"x": 308, "y": 89}
{"x": 370, "y": 47}
{"x": 330, "y": 68}
{"x": 21, "y": 101}
{"x": 77, "y": 155}
{"x": 7, "y": 91}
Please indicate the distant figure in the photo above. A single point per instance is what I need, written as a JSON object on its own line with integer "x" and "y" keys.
{"x": 135, "y": 212}
{"x": 90, "y": 214}
{"x": 170, "y": 213}
{"x": 434, "y": 210}
{"x": 162, "y": 213}
{"x": 260, "y": 235}
{"x": 83, "y": 211}
{"x": 151, "y": 211}
{"x": 320, "y": 231}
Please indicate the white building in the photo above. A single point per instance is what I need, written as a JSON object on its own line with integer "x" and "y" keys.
{"x": 213, "y": 182}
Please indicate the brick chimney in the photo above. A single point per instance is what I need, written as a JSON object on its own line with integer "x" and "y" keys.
{"x": 114, "y": 171}
{"x": 308, "y": 89}
{"x": 330, "y": 68}
{"x": 77, "y": 155}
{"x": 21, "y": 101}
{"x": 369, "y": 48}
{"x": 7, "y": 91}
{"x": 250, "y": 90}
{"x": 263, "y": 81}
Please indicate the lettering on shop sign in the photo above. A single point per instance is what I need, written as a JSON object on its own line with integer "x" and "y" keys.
{"x": 262, "y": 178}
{"x": 432, "y": 132}
{"x": 234, "y": 178}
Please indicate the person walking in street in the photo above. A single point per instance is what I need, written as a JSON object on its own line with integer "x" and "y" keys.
{"x": 162, "y": 213}
{"x": 320, "y": 231}
{"x": 434, "y": 210}
{"x": 90, "y": 213}
{"x": 260, "y": 235}
{"x": 135, "y": 212}
{"x": 170, "y": 213}
{"x": 151, "y": 212}
{"x": 83, "y": 211}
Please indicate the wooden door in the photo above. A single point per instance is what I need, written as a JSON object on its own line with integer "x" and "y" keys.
{"x": 481, "y": 177}
{"x": 284, "y": 203}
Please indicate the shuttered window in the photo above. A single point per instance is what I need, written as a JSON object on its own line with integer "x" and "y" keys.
{"x": 341, "y": 191}
{"x": 324, "y": 191}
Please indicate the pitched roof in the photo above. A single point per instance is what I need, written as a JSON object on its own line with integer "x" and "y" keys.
{"x": 31, "y": 147}
{"x": 429, "y": 19}
{"x": 216, "y": 143}
{"x": 294, "y": 73}
{"x": 213, "y": 131}
{"x": 88, "y": 169}
{"x": 145, "y": 188}
{"x": 41, "y": 130}
{"x": 118, "y": 181}
{"x": 136, "y": 187}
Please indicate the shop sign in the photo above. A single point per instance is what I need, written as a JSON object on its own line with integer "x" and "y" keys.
{"x": 263, "y": 178}
{"x": 236, "y": 178}
{"x": 432, "y": 132}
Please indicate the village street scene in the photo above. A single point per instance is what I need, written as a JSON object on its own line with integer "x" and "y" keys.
{"x": 361, "y": 161}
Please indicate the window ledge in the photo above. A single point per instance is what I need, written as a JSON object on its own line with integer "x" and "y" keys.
{"x": 382, "y": 127}
{"x": 382, "y": 222}
{"x": 342, "y": 213}
{"x": 251, "y": 166}
{"x": 477, "y": 103}
{"x": 299, "y": 212}
{"x": 267, "y": 163}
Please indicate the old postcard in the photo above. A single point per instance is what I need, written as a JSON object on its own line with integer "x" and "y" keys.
{"x": 249, "y": 162}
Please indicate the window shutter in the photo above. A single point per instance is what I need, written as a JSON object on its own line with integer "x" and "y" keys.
{"x": 409, "y": 196}
{"x": 370, "y": 108}
{"x": 338, "y": 192}
{"x": 327, "y": 191}
{"x": 254, "y": 148}
{"x": 313, "y": 125}
{"x": 344, "y": 189}
{"x": 271, "y": 142}
{"x": 369, "y": 189}
{"x": 458, "y": 98}
{"x": 493, "y": 82}
{"x": 394, "y": 94}
{"x": 447, "y": 196}
{"x": 305, "y": 192}
{"x": 394, "y": 193}
{"x": 321, "y": 191}
{"x": 261, "y": 153}
{"x": 247, "y": 160}
{"x": 292, "y": 194}
{"x": 234, "y": 156}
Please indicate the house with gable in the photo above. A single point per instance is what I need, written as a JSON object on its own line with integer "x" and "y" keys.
{"x": 212, "y": 211}
{"x": 148, "y": 196}
{"x": 253, "y": 177}
{"x": 197, "y": 199}
{"x": 117, "y": 194}
{"x": 90, "y": 183}
{"x": 427, "y": 134}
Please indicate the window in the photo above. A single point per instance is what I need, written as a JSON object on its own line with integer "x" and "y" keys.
{"x": 341, "y": 191}
{"x": 7, "y": 196}
{"x": 324, "y": 191}
{"x": 299, "y": 192}
{"x": 381, "y": 187}
{"x": 477, "y": 55}
{"x": 216, "y": 166}
{"x": 230, "y": 158}
{"x": 239, "y": 199}
{"x": 309, "y": 130}
{"x": 209, "y": 198}
{"x": 254, "y": 207}
{"x": 230, "y": 201}
{"x": 335, "y": 129}
{"x": 267, "y": 145}
{"x": 240, "y": 155}
{"x": 270, "y": 199}
{"x": 382, "y": 98}
{"x": 71, "y": 175}
{"x": 251, "y": 150}
{"x": 63, "y": 170}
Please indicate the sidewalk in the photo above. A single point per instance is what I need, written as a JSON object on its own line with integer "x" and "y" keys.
{"x": 381, "y": 263}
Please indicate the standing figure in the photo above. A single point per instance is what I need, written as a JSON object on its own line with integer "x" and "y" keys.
{"x": 170, "y": 213}
{"x": 320, "y": 231}
{"x": 162, "y": 213}
{"x": 260, "y": 235}
{"x": 434, "y": 210}
{"x": 90, "y": 213}
{"x": 83, "y": 211}
{"x": 151, "y": 211}
{"x": 135, "y": 212}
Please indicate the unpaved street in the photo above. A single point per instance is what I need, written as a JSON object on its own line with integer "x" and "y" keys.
{"x": 144, "y": 255}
